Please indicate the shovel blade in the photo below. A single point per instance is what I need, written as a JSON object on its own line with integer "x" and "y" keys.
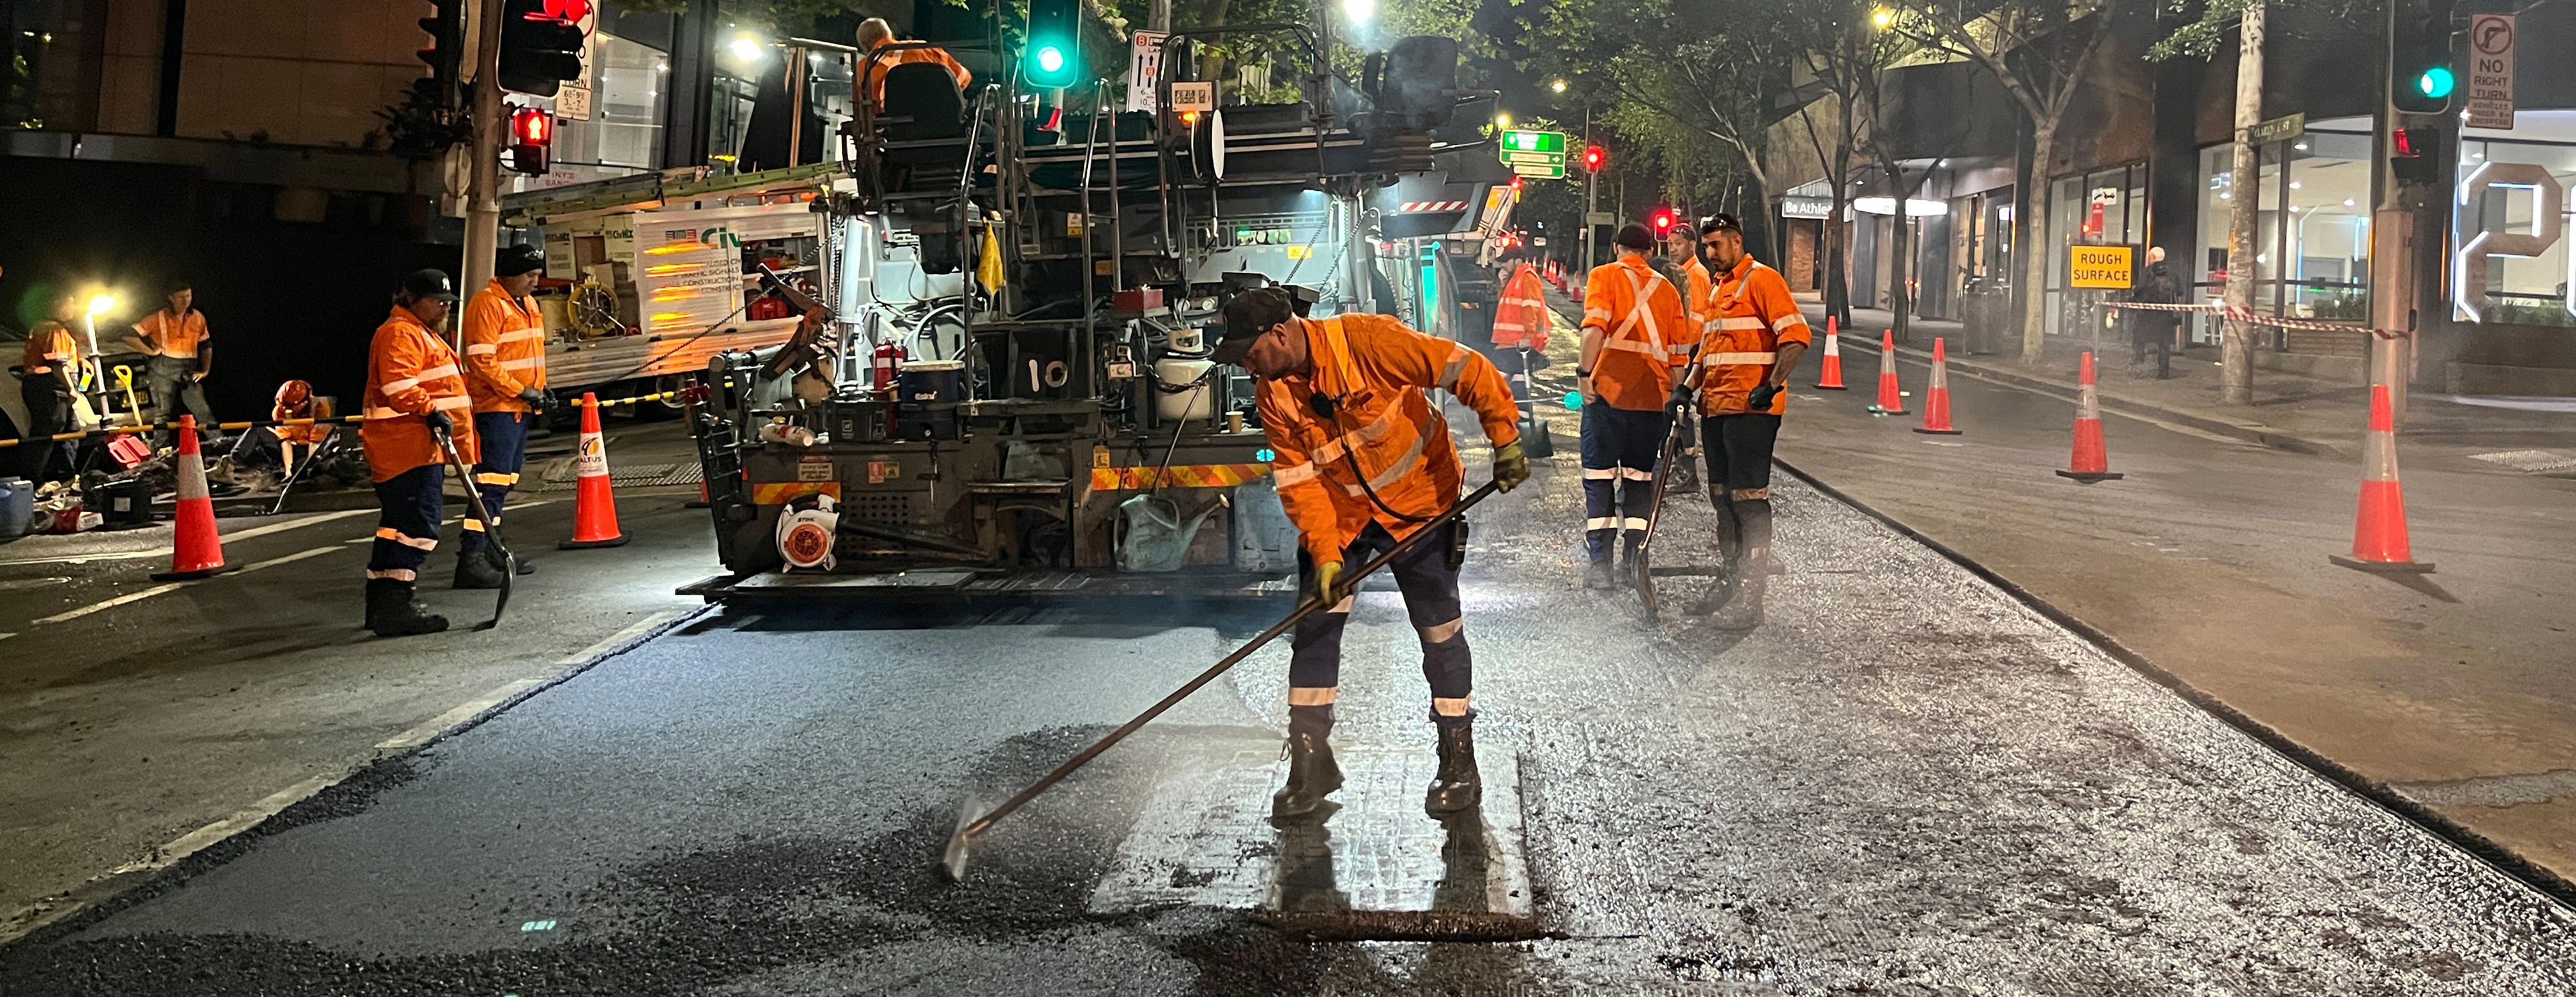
{"x": 952, "y": 860}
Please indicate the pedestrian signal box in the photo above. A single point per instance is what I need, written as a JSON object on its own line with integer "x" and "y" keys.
{"x": 532, "y": 140}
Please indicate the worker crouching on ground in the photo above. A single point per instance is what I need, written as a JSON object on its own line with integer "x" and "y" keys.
{"x": 283, "y": 448}
{"x": 1753, "y": 337}
{"x": 1362, "y": 460}
{"x": 505, "y": 365}
{"x": 1634, "y": 333}
{"x": 415, "y": 389}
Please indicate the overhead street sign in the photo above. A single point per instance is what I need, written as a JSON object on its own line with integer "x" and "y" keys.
{"x": 1538, "y": 155}
{"x": 2279, "y": 129}
{"x": 2491, "y": 40}
{"x": 1540, "y": 171}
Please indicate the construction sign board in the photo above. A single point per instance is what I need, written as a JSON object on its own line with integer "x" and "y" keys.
{"x": 2100, "y": 267}
{"x": 2491, "y": 71}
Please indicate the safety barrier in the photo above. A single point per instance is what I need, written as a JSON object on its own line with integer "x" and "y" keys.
{"x": 234, "y": 427}
{"x": 2248, "y": 315}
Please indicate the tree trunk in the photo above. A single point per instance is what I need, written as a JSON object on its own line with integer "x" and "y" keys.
{"x": 2036, "y": 255}
{"x": 2244, "y": 204}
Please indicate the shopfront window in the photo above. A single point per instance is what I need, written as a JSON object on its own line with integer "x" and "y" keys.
{"x": 614, "y": 126}
{"x": 2521, "y": 290}
{"x": 2102, "y": 208}
{"x": 2327, "y": 235}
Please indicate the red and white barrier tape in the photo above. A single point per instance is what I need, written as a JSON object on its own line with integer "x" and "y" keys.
{"x": 2249, "y": 316}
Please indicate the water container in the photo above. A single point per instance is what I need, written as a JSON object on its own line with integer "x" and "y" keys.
{"x": 1265, "y": 539}
{"x": 1183, "y": 390}
{"x": 1155, "y": 534}
{"x": 17, "y": 506}
{"x": 930, "y": 392}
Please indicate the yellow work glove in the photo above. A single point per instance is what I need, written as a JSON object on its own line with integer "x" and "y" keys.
{"x": 1328, "y": 582}
{"x": 1511, "y": 466}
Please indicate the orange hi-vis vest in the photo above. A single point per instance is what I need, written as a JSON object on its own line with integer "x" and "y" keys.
{"x": 411, "y": 373}
{"x": 1695, "y": 296}
{"x": 505, "y": 349}
{"x": 1749, "y": 313}
{"x": 1645, "y": 333}
{"x": 1362, "y": 422}
{"x": 1520, "y": 316}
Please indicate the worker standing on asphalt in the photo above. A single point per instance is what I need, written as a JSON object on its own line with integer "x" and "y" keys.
{"x": 1633, "y": 328}
{"x": 178, "y": 354}
{"x": 415, "y": 389}
{"x": 505, "y": 363}
{"x": 48, "y": 380}
{"x": 1363, "y": 458}
{"x": 1754, "y": 335}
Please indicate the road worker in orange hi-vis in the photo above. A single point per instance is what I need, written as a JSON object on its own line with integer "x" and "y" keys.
{"x": 1680, "y": 263}
{"x": 1362, "y": 460}
{"x": 1520, "y": 330}
{"x": 1753, "y": 337}
{"x": 415, "y": 390}
{"x": 505, "y": 373}
{"x": 1635, "y": 331}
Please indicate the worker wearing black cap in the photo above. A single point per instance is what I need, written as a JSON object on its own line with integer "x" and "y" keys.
{"x": 1636, "y": 333}
{"x": 415, "y": 391}
{"x": 505, "y": 366}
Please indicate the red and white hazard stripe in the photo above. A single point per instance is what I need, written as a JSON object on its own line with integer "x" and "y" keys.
{"x": 2249, "y": 316}
{"x": 1412, "y": 206}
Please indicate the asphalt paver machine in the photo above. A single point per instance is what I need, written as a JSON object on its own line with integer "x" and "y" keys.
{"x": 999, "y": 386}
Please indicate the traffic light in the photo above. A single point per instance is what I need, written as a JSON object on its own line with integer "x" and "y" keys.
{"x": 1594, "y": 159}
{"x": 532, "y": 140}
{"x": 540, "y": 46}
{"x": 2420, "y": 78}
{"x": 445, "y": 51}
{"x": 1664, "y": 220}
{"x": 1053, "y": 57}
{"x": 2415, "y": 155}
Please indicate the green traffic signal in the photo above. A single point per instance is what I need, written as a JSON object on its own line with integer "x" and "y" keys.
{"x": 1050, "y": 59}
{"x": 2436, "y": 83}
{"x": 1053, "y": 57}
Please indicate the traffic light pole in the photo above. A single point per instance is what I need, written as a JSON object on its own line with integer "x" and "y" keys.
{"x": 483, "y": 154}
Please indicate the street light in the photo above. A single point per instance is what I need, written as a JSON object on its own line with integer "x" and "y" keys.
{"x": 101, "y": 304}
{"x": 1558, "y": 86}
{"x": 1881, "y": 18}
{"x": 746, "y": 48}
{"x": 1360, "y": 12}
{"x": 1502, "y": 121}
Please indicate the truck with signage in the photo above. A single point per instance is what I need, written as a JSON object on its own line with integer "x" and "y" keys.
{"x": 653, "y": 294}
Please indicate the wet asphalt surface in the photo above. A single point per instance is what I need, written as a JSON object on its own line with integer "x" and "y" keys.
{"x": 1905, "y": 782}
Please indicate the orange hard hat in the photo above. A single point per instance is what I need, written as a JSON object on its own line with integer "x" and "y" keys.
{"x": 293, "y": 394}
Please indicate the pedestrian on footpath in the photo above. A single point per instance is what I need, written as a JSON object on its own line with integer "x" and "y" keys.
{"x": 1363, "y": 459}
{"x": 505, "y": 360}
{"x": 48, "y": 380}
{"x": 178, "y": 354}
{"x": 2154, "y": 328}
{"x": 1754, "y": 335}
{"x": 415, "y": 390}
{"x": 1634, "y": 325}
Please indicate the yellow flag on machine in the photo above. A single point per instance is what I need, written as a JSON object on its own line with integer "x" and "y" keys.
{"x": 989, "y": 270}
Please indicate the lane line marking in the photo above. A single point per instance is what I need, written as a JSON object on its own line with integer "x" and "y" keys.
{"x": 243, "y": 820}
{"x": 175, "y": 586}
{"x": 127, "y": 555}
{"x": 132, "y": 555}
{"x": 321, "y": 517}
{"x": 632, "y": 631}
{"x": 420, "y": 733}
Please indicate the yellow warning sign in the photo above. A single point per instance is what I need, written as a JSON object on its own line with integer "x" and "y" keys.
{"x": 2105, "y": 267}
{"x": 1183, "y": 476}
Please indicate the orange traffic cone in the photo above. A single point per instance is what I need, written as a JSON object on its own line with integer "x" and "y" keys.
{"x": 1891, "y": 401}
{"x": 195, "y": 549}
{"x": 2379, "y": 529}
{"x": 1832, "y": 378}
{"x": 2090, "y": 462}
{"x": 594, "y": 509}
{"x": 1936, "y": 399}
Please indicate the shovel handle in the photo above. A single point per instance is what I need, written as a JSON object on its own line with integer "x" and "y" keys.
{"x": 1305, "y": 608}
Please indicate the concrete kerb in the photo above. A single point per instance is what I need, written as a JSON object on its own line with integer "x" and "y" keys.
{"x": 302, "y": 803}
{"x": 2542, "y": 880}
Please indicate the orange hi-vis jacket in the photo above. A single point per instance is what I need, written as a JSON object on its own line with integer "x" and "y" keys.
{"x": 1520, "y": 315}
{"x": 1645, "y": 333}
{"x": 505, "y": 350}
{"x": 1695, "y": 296}
{"x": 411, "y": 373}
{"x": 886, "y": 63}
{"x": 1382, "y": 435}
{"x": 51, "y": 348}
{"x": 1748, "y": 314}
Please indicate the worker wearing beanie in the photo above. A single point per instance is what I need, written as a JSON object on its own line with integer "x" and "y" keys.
{"x": 1634, "y": 329}
{"x": 505, "y": 365}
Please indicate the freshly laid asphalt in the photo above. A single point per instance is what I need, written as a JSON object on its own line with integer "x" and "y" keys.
{"x": 1905, "y": 782}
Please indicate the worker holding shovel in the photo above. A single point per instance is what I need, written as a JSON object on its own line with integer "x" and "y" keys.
{"x": 1363, "y": 462}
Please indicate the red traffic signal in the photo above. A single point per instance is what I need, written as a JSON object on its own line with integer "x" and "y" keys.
{"x": 532, "y": 139}
{"x": 1664, "y": 221}
{"x": 1594, "y": 159}
{"x": 2415, "y": 155}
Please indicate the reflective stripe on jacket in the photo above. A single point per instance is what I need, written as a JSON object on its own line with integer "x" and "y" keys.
{"x": 1749, "y": 313}
{"x": 1383, "y": 430}
{"x": 505, "y": 349}
{"x": 1644, "y": 331}
{"x": 411, "y": 373}
{"x": 1520, "y": 317}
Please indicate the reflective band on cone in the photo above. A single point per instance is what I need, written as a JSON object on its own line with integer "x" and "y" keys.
{"x": 2090, "y": 461}
{"x": 594, "y": 516}
{"x": 1832, "y": 378}
{"x": 1891, "y": 401}
{"x": 1936, "y": 399}
{"x": 196, "y": 551}
{"x": 2379, "y": 528}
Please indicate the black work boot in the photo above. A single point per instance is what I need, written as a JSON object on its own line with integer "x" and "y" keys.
{"x": 479, "y": 568}
{"x": 1456, "y": 787}
{"x": 1744, "y": 611}
{"x": 525, "y": 568}
{"x": 1629, "y": 563}
{"x": 392, "y": 612}
{"x": 1312, "y": 773}
{"x": 1730, "y": 551}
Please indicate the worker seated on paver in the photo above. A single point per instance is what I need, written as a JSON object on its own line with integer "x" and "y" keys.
{"x": 1753, "y": 337}
{"x": 874, "y": 33}
{"x": 415, "y": 392}
{"x": 1362, "y": 460}
{"x": 1634, "y": 336}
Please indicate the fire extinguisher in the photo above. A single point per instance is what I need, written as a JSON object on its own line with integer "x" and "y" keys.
{"x": 887, "y": 364}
